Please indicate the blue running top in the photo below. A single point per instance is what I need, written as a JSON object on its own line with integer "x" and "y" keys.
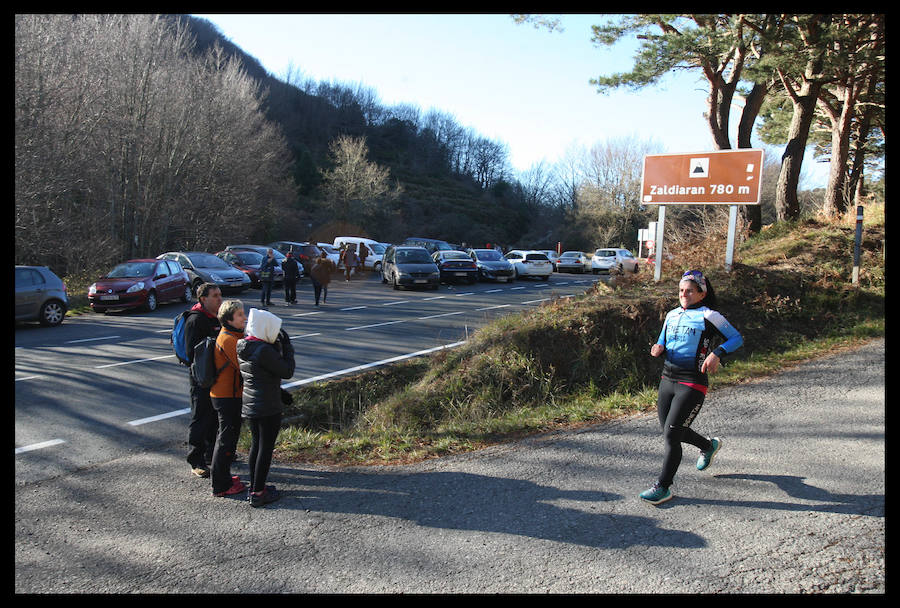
{"x": 687, "y": 335}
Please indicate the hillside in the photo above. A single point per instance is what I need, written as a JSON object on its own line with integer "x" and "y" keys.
{"x": 582, "y": 360}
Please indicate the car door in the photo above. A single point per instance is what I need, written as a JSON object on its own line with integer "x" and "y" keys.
{"x": 162, "y": 276}
{"x": 387, "y": 263}
{"x": 29, "y": 292}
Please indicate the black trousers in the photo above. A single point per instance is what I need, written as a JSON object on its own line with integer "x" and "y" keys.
{"x": 318, "y": 289}
{"x": 229, "y": 414}
{"x": 263, "y": 433}
{"x": 290, "y": 290}
{"x": 202, "y": 428}
{"x": 677, "y": 405}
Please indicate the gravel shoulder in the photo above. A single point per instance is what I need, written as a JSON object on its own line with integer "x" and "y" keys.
{"x": 793, "y": 503}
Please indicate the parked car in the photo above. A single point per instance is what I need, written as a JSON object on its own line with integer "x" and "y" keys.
{"x": 613, "y": 260}
{"x": 205, "y": 267}
{"x": 552, "y": 256}
{"x": 376, "y": 249}
{"x": 141, "y": 283}
{"x": 431, "y": 245}
{"x": 331, "y": 251}
{"x": 40, "y": 296}
{"x": 409, "y": 266}
{"x": 574, "y": 261}
{"x": 530, "y": 263}
{"x": 248, "y": 262}
{"x": 492, "y": 266}
{"x": 455, "y": 265}
{"x": 262, "y": 250}
{"x": 303, "y": 252}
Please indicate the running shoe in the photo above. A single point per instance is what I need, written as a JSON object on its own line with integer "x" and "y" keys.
{"x": 270, "y": 494}
{"x": 237, "y": 486}
{"x": 656, "y": 494}
{"x": 200, "y": 472}
{"x": 706, "y": 457}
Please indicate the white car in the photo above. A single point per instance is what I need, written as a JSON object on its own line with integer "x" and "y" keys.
{"x": 613, "y": 260}
{"x": 376, "y": 249}
{"x": 530, "y": 263}
{"x": 574, "y": 261}
{"x": 333, "y": 255}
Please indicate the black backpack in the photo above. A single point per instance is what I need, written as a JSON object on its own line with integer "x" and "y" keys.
{"x": 203, "y": 369}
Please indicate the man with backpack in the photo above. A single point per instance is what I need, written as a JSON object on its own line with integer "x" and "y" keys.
{"x": 201, "y": 322}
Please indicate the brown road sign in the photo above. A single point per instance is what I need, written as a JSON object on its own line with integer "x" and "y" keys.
{"x": 722, "y": 177}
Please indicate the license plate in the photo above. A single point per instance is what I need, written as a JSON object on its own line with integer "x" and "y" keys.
{"x": 109, "y": 297}
{"x": 420, "y": 280}
{"x": 461, "y": 274}
{"x": 502, "y": 279}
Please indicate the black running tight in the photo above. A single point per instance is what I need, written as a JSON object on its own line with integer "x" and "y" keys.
{"x": 677, "y": 406}
{"x": 263, "y": 433}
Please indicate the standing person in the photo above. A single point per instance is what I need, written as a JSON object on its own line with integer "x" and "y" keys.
{"x": 320, "y": 275}
{"x": 351, "y": 260}
{"x": 685, "y": 339}
{"x": 266, "y": 278}
{"x": 226, "y": 398}
{"x": 363, "y": 254}
{"x": 266, "y": 357}
{"x": 201, "y": 322}
{"x": 291, "y": 276}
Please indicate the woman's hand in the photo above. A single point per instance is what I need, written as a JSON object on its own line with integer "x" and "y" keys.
{"x": 710, "y": 364}
{"x": 657, "y": 349}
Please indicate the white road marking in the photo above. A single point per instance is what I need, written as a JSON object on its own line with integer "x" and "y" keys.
{"x": 141, "y": 421}
{"x": 305, "y": 336}
{"x": 27, "y": 378}
{"x": 434, "y": 298}
{"x": 92, "y": 339}
{"x": 375, "y": 325}
{"x": 468, "y": 293}
{"x": 533, "y": 301}
{"x": 135, "y": 361}
{"x": 446, "y": 314}
{"x": 350, "y": 370}
{"x": 493, "y": 290}
{"x": 397, "y": 302}
{"x": 517, "y": 288}
{"x": 492, "y": 307}
{"x": 354, "y": 308}
{"x": 304, "y": 314}
{"x": 38, "y": 446}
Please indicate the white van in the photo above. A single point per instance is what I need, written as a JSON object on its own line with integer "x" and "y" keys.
{"x": 376, "y": 249}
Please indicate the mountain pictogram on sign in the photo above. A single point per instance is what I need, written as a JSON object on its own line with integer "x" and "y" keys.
{"x": 699, "y": 167}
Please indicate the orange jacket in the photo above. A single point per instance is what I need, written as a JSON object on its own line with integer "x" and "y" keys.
{"x": 229, "y": 384}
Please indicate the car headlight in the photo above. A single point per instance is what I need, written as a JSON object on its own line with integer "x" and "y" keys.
{"x": 136, "y": 287}
{"x": 435, "y": 275}
{"x": 216, "y": 278}
{"x": 92, "y": 289}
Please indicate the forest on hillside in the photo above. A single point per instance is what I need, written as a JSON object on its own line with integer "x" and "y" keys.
{"x": 136, "y": 134}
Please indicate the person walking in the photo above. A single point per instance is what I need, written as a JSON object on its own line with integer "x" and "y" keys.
{"x": 363, "y": 254}
{"x": 201, "y": 322}
{"x": 291, "y": 276}
{"x": 320, "y": 275}
{"x": 266, "y": 357}
{"x": 267, "y": 277}
{"x": 685, "y": 339}
{"x": 226, "y": 396}
{"x": 351, "y": 261}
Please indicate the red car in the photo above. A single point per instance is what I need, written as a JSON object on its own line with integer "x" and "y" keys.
{"x": 249, "y": 262}
{"x": 140, "y": 283}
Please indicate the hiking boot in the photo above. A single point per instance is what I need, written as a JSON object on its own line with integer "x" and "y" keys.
{"x": 200, "y": 472}
{"x": 656, "y": 494}
{"x": 270, "y": 494}
{"x": 237, "y": 486}
{"x": 706, "y": 457}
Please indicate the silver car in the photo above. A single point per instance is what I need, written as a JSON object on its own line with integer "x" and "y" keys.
{"x": 40, "y": 296}
{"x": 613, "y": 260}
{"x": 574, "y": 261}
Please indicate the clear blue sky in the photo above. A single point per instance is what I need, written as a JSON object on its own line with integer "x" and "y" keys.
{"x": 516, "y": 84}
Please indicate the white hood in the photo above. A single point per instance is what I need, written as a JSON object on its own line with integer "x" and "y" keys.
{"x": 263, "y": 325}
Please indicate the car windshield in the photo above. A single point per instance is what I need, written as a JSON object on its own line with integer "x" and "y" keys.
{"x": 251, "y": 258}
{"x": 455, "y": 255}
{"x": 376, "y": 248}
{"x": 327, "y": 248}
{"x": 571, "y": 254}
{"x": 605, "y": 253}
{"x": 132, "y": 270}
{"x": 207, "y": 260}
{"x": 488, "y": 255}
{"x": 415, "y": 256}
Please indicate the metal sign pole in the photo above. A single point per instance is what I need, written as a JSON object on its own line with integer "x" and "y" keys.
{"x": 858, "y": 240}
{"x": 658, "y": 245}
{"x": 732, "y": 228}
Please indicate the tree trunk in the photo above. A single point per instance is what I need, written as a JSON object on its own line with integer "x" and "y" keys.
{"x": 752, "y": 213}
{"x": 787, "y": 204}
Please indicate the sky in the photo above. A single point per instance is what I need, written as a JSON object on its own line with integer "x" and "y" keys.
{"x": 525, "y": 87}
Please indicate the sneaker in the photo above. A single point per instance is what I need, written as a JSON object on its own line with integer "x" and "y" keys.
{"x": 237, "y": 486}
{"x": 270, "y": 494}
{"x": 656, "y": 494}
{"x": 200, "y": 472}
{"x": 706, "y": 457}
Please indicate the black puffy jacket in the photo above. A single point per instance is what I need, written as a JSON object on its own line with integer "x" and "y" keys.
{"x": 263, "y": 366}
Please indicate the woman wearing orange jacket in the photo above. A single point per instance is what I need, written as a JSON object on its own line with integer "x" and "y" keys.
{"x": 226, "y": 398}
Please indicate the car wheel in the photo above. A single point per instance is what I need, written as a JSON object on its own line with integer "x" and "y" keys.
{"x": 195, "y": 285}
{"x": 151, "y": 303}
{"x": 186, "y": 297}
{"x": 98, "y": 309}
{"x": 52, "y": 313}
{"x": 636, "y": 268}
{"x": 376, "y": 267}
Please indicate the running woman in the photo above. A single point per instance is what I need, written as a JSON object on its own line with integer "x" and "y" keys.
{"x": 685, "y": 339}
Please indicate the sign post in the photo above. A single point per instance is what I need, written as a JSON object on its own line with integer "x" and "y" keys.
{"x": 721, "y": 177}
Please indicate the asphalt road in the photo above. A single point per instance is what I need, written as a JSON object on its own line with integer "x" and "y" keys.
{"x": 794, "y": 502}
{"x": 99, "y": 387}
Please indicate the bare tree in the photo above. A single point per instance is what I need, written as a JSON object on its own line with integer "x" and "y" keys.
{"x": 353, "y": 178}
